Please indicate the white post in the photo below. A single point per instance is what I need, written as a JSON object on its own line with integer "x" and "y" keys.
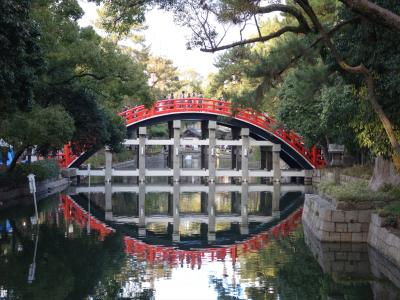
{"x": 88, "y": 223}
{"x": 32, "y": 189}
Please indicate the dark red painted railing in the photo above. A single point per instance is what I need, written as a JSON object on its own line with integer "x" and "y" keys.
{"x": 72, "y": 211}
{"x": 216, "y": 107}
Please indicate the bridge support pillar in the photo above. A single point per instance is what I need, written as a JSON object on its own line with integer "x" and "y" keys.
{"x": 276, "y": 197}
{"x": 235, "y": 202}
{"x": 108, "y": 169}
{"x": 211, "y": 209}
{"x": 142, "y": 154}
{"x": 108, "y": 200}
{"x": 263, "y": 162}
{"x": 308, "y": 177}
{"x": 203, "y": 149}
{"x": 212, "y": 128}
{"x": 244, "y": 225}
{"x": 235, "y": 152}
{"x": 175, "y": 206}
{"x": 245, "y": 153}
{"x": 142, "y": 215}
{"x": 276, "y": 162}
{"x": 176, "y": 156}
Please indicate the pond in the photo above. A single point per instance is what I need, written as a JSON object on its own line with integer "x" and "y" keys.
{"x": 109, "y": 249}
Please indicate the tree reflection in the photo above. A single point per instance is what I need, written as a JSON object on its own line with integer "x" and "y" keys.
{"x": 66, "y": 268}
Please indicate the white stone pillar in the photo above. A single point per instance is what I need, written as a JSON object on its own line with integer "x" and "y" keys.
{"x": 212, "y": 127}
{"x": 245, "y": 153}
{"x": 276, "y": 162}
{"x": 142, "y": 154}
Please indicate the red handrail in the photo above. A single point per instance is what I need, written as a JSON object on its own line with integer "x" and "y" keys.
{"x": 219, "y": 107}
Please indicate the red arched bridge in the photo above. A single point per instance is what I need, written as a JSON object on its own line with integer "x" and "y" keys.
{"x": 261, "y": 126}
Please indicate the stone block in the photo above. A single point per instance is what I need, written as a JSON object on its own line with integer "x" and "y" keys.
{"x": 356, "y": 237}
{"x": 364, "y": 216}
{"x": 323, "y": 235}
{"x": 351, "y": 216}
{"x": 359, "y": 247}
{"x": 341, "y": 227}
{"x": 326, "y": 214}
{"x": 341, "y": 255}
{"x": 337, "y": 216}
{"x": 328, "y": 226}
{"x": 334, "y": 236}
{"x": 354, "y": 256}
{"x": 329, "y": 256}
{"x": 354, "y": 227}
{"x": 349, "y": 267}
{"x": 345, "y": 237}
{"x": 365, "y": 227}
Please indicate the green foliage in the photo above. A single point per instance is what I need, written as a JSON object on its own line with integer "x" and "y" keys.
{"x": 317, "y": 105}
{"x": 375, "y": 46}
{"x": 158, "y": 131}
{"x": 47, "y": 128}
{"x": 356, "y": 192}
{"x": 164, "y": 77}
{"x": 43, "y": 169}
{"x": 20, "y": 56}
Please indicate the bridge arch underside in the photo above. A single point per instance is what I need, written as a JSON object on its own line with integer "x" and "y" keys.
{"x": 289, "y": 155}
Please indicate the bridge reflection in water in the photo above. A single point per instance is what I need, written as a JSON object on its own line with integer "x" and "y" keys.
{"x": 178, "y": 210}
{"x": 216, "y": 220}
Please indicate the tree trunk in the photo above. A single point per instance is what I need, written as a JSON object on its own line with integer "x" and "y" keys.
{"x": 384, "y": 173}
{"x": 15, "y": 159}
{"x": 375, "y": 12}
{"x": 368, "y": 78}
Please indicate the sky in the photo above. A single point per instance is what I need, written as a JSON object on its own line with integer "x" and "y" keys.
{"x": 165, "y": 38}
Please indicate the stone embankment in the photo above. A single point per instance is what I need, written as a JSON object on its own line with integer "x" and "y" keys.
{"x": 333, "y": 221}
{"x": 329, "y": 223}
{"x": 21, "y": 195}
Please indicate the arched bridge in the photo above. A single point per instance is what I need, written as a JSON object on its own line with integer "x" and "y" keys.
{"x": 261, "y": 127}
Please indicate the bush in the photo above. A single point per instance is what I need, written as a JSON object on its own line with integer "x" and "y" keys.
{"x": 43, "y": 169}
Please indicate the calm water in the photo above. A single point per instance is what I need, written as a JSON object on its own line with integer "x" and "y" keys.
{"x": 109, "y": 249}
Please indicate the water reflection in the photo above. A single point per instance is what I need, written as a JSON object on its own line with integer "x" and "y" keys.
{"x": 192, "y": 215}
{"x": 112, "y": 260}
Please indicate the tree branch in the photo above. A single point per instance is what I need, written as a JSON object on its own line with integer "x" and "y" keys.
{"x": 286, "y": 9}
{"x": 81, "y": 75}
{"x": 258, "y": 39}
{"x": 376, "y": 12}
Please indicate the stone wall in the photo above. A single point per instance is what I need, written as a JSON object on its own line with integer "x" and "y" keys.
{"x": 22, "y": 195}
{"x": 334, "y": 175}
{"x": 330, "y": 224}
{"x": 384, "y": 239}
{"x": 347, "y": 262}
{"x": 340, "y": 260}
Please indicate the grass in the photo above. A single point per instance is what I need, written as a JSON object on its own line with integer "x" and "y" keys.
{"x": 359, "y": 171}
{"x": 357, "y": 192}
{"x": 387, "y": 198}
